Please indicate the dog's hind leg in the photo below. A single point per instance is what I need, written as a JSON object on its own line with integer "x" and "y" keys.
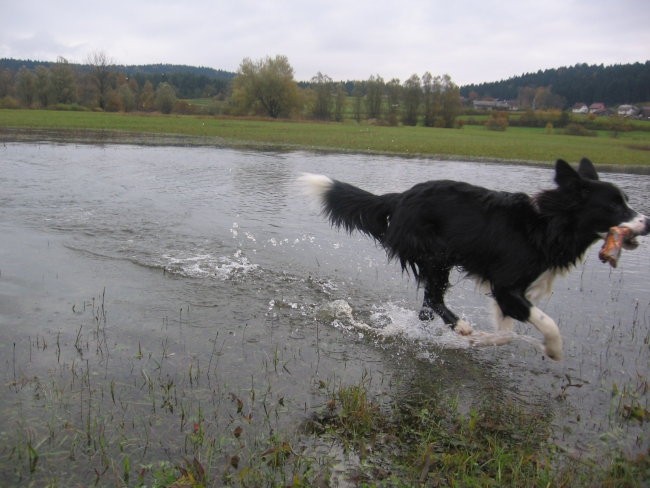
{"x": 547, "y": 326}
{"x": 436, "y": 284}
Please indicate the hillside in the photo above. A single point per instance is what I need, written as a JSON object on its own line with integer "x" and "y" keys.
{"x": 144, "y": 69}
{"x": 189, "y": 81}
{"x": 615, "y": 84}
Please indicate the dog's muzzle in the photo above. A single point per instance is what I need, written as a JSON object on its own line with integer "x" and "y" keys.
{"x": 646, "y": 229}
{"x": 640, "y": 225}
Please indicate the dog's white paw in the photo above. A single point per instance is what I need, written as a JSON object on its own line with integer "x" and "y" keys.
{"x": 481, "y": 338}
{"x": 463, "y": 327}
{"x": 553, "y": 347}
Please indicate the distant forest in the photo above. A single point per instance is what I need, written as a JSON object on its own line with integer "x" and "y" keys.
{"x": 612, "y": 85}
{"x": 615, "y": 84}
{"x": 188, "y": 81}
{"x": 167, "y": 88}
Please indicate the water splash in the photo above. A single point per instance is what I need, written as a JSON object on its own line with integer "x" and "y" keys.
{"x": 209, "y": 265}
{"x": 394, "y": 321}
{"x": 391, "y": 321}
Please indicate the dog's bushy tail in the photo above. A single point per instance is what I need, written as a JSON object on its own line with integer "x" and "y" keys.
{"x": 350, "y": 207}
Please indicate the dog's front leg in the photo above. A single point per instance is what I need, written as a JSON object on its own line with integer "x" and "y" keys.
{"x": 514, "y": 304}
{"x": 549, "y": 329}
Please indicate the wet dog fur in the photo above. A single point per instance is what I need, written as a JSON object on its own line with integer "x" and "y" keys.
{"x": 513, "y": 243}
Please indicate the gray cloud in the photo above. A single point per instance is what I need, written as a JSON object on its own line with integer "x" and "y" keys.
{"x": 472, "y": 41}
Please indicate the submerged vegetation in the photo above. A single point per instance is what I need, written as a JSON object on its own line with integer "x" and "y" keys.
{"x": 429, "y": 442}
{"x": 172, "y": 422}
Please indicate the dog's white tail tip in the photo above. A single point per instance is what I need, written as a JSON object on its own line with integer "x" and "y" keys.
{"x": 315, "y": 185}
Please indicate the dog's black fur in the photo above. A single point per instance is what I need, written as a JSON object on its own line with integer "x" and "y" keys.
{"x": 505, "y": 240}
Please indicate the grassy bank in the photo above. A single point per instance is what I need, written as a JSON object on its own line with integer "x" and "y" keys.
{"x": 471, "y": 142}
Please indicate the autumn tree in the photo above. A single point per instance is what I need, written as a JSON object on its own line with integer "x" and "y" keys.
{"x": 266, "y": 86}
{"x": 147, "y": 97}
{"x": 357, "y": 98}
{"x": 6, "y": 83}
{"x": 450, "y": 101}
{"x": 340, "y": 101}
{"x": 25, "y": 86}
{"x": 42, "y": 86}
{"x": 128, "y": 95}
{"x": 545, "y": 99}
{"x": 374, "y": 96}
{"x": 412, "y": 95}
{"x": 393, "y": 97}
{"x": 428, "y": 99}
{"x": 165, "y": 98}
{"x": 441, "y": 100}
{"x": 62, "y": 80}
{"x": 526, "y": 96}
{"x": 100, "y": 75}
{"x": 322, "y": 86}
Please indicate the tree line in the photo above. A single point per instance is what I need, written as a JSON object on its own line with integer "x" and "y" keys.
{"x": 267, "y": 87}
{"x": 188, "y": 81}
{"x": 99, "y": 84}
{"x": 582, "y": 83}
{"x": 264, "y": 87}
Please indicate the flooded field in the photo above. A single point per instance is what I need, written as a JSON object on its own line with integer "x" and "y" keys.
{"x": 152, "y": 298}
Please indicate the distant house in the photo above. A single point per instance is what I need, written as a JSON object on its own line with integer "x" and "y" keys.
{"x": 483, "y": 104}
{"x": 513, "y": 105}
{"x": 597, "y": 108}
{"x": 494, "y": 105}
{"x": 580, "y": 108}
{"x": 628, "y": 110}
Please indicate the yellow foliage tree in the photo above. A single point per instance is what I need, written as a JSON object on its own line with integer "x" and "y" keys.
{"x": 265, "y": 86}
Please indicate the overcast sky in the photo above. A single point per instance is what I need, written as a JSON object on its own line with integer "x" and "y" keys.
{"x": 472, "y": 41}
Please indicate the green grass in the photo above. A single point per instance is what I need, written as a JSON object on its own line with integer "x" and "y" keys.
{"x": 427, "y": 441}
{"x": 471, "y": 142}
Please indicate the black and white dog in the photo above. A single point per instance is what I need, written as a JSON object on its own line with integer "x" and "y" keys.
{"x": 513, "y": 243}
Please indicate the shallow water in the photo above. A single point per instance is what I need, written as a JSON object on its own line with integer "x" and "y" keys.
{"x": 123, "y": 264}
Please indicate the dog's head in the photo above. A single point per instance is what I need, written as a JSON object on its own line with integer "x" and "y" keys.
{"x": 601, "y": 205}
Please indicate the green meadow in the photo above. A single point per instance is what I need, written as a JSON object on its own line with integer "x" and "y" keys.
{"x": 629, "y": 148}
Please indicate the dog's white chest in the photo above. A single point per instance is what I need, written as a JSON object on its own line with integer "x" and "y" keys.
{"x": 542, "y": 287}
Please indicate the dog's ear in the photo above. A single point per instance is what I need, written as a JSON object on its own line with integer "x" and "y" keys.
{"x": 565, "y": 176}
{"x": 587, "y": 170}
